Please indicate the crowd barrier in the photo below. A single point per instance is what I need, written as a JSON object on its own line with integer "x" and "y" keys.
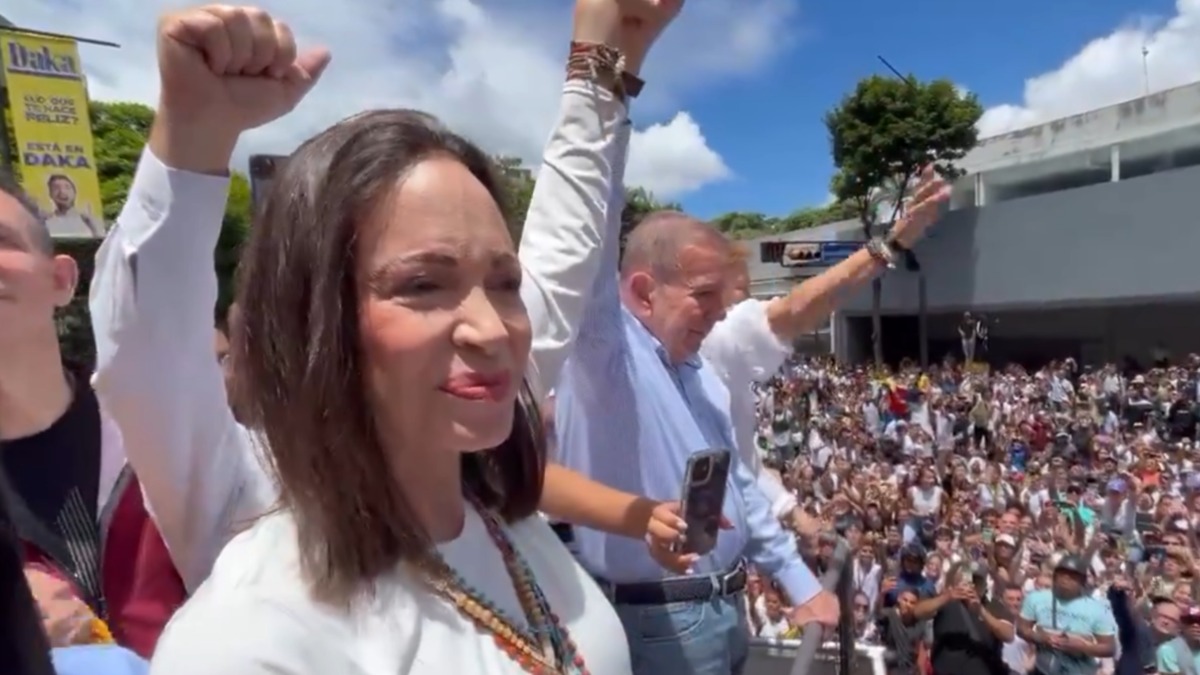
{"x": 808, "y": 655}
{"x": 778, "y": 657}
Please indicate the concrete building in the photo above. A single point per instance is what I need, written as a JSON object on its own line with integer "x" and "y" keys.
{"x": 769, "y": 279}
{"x": 1077, "y": 237}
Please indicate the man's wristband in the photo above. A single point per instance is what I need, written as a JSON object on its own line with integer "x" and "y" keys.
{"x": 604, "y": 66}
{"x": 882, "y": 253}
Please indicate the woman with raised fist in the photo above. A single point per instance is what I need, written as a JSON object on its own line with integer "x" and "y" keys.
{"x": 391, "y": 347}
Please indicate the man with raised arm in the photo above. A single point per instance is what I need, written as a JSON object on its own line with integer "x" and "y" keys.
{"x": 154, "y": 290}
{"x": 635, "y": 402}
{"x": 751, "y": 343}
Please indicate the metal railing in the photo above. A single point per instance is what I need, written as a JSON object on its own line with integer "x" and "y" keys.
{"x": 811, "y": 655}
{"x": 776, "y": 657}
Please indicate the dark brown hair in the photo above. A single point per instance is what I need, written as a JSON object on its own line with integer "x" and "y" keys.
{"x": 300, "y": 373}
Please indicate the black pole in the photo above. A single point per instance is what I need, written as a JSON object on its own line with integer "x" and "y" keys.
{"x": 890, "y": 67}
{"x": 845, "y": 593}
{"x": 923, "y": 319}
{"x": 60, "y": 36}
{"x": 813, "y": 634}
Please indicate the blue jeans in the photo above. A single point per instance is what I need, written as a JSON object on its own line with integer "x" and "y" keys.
{"x": 705, "y": 637}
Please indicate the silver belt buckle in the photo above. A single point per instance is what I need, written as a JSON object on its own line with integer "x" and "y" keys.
{"x": 718, "y": 585}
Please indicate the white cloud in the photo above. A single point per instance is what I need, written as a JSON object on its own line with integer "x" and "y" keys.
{"x": 489, "y": 68}
{"x": 673, "y": 158}
{"x": 1109, "y": 70}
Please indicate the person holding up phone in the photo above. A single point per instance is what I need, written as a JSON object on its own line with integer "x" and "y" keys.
{"x": 969, "y": 627}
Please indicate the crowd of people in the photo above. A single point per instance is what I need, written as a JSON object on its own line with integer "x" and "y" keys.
{"x": 420, "y": 448}
{"x": 1001, "y": 520}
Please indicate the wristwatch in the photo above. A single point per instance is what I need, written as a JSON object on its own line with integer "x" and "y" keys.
{"x": 882, "y": 252}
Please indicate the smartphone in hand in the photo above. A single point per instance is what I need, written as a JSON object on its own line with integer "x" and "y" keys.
{"x": 704, "y": 484}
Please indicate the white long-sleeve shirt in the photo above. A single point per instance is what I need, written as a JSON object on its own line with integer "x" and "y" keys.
{"x": 152, "y": 300}
{"x": 743, "y": 350}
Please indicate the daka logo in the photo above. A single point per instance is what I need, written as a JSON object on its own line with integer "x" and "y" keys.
{"x": 43, "y": 62}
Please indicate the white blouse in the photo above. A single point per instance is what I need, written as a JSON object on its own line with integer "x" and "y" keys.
{"x": 254, "y": 615}
{"x": 201, "y": 475}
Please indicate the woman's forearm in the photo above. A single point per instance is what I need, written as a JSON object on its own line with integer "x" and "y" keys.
{"x": 576, "y": 499}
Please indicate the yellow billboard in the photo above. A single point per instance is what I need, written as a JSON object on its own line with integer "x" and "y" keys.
{"x": 53, "y": 135}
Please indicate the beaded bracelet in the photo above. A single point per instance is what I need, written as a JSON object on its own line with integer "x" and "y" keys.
{"x": 605, "y": 66}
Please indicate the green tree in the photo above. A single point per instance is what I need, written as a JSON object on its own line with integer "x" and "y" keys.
{"x": 119, "y": 131}
{"x": 815, "y": 216}
{"x": 235, "y": 228}
{"x": 745, "y": 224}
{"x": 519, "y": 184}
{"x": 748, "y": 224}
{"x": 882, "y": 135}
{"x": 639, "y": 203}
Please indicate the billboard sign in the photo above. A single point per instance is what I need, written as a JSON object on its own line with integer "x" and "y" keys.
{"x": 53, "y": 133}
{"x": 817, "y": 253}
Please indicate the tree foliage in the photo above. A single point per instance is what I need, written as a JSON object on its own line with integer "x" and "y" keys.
{"x": 639, "y": 202}
{"x": 519, "y": 182}
{"x": 121, "y": 129}
{"x": 882, "y": 135}
{"x": 746, "y": 225}
{"x": 887, "y": 130}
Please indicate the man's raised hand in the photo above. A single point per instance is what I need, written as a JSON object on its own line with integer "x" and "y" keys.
{"x": 227, "y": 69}
{"x": 923, "y": 208}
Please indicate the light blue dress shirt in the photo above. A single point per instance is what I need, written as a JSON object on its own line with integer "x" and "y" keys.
{"x": 98, "y": 660}
{"x": 627, "y": 417}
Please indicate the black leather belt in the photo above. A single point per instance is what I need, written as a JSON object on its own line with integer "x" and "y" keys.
{"x": 679, "y": 589}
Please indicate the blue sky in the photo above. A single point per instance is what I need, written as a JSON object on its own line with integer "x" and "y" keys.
{"x": 767, "y": 126}
{"x": 736, "y": 89}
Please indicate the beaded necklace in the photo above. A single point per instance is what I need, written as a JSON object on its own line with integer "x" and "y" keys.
{"x": 545, "y": 648}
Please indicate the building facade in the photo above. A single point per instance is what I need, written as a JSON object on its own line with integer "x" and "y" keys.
{"x": 1077, "y": 237}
